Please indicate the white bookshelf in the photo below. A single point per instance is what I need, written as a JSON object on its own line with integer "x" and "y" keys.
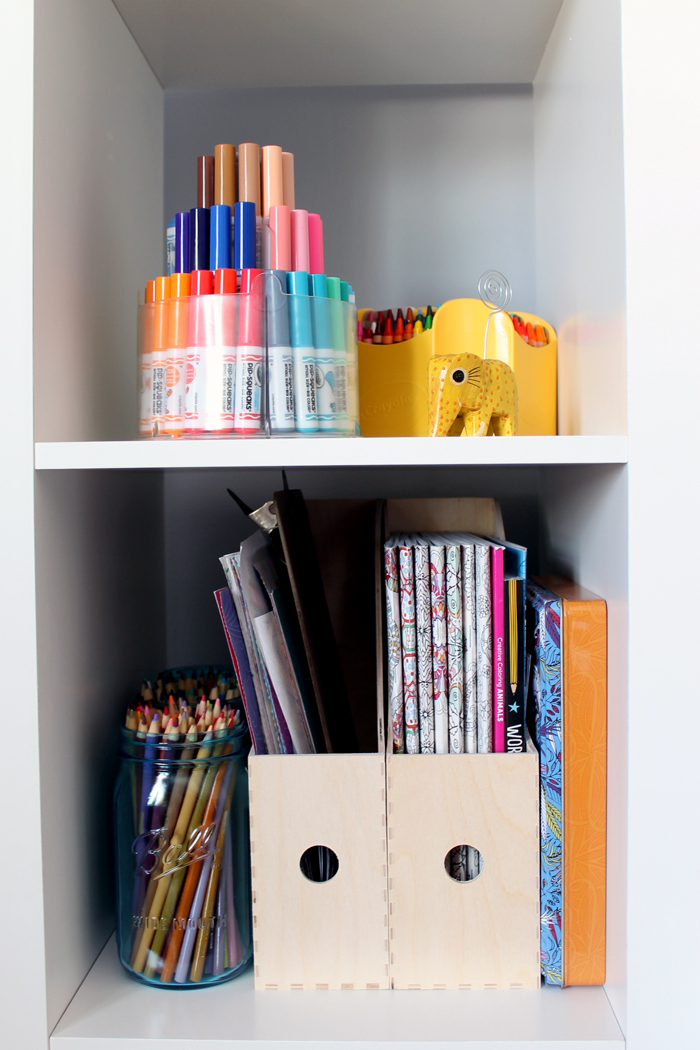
{"x": 328, "y": 452}
{"x": 111, "y": 1011}
{"x": 550, "y": 140}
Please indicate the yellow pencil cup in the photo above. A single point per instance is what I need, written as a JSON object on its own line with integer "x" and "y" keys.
{"x": 393, "y": 378}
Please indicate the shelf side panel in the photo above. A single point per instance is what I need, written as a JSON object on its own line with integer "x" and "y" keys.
{"x": 579, "y": 214}
{"x": 98, "y": 217}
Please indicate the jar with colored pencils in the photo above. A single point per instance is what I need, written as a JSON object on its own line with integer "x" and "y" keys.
{"x": 182, "y": 849}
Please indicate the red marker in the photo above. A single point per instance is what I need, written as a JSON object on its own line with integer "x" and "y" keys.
{"x": 399, "y": 326}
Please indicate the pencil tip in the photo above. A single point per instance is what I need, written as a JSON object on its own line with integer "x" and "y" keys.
{"x": 244, "y": 506}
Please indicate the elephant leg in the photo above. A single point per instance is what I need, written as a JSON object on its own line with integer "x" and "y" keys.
{"x": 504, "y": 426}
{"x": 473, "y": 425}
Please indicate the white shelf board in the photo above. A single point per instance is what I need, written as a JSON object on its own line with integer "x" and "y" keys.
{"x": 112, "y": 1012}
{"x": 207, "y": 44}
{"x": 327, "y": 452}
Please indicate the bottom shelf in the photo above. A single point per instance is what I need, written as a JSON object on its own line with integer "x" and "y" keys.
{"x": 111, "y": 1012}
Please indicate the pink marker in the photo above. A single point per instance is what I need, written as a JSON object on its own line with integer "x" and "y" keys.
{"x": 280, "y": 238}
{"x": 315, "y": 244}
{"x": 300, "y": 239}
{"x": 200, "y": 336}
{"x": 249, "y": 353}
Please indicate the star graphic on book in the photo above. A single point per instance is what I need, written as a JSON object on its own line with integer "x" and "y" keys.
{"x": 514, "y": 707}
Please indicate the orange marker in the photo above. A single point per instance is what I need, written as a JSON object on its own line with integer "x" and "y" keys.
{"x": 175, "y": 373}
{"x": 146, "y": 319}
{"x": 159, "y": 358}
{"x": 249, "y": 174}
{"x": 272, "y": 178}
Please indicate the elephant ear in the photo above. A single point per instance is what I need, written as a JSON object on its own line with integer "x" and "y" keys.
{"x": 477, "y": 376}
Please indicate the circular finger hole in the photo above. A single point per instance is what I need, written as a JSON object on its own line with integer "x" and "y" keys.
{"x": 319, "y": 863}
{"x": 464, "y": 863}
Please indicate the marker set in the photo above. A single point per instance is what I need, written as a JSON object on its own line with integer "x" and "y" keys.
{"x": 246, "y": 335}
{"x": 276, "y": 356}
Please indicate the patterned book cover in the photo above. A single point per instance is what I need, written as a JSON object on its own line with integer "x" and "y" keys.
{"x": 393, "y": 644}
{"x": 545, "y": 610}
{"x": 499, "y": 662}
{"x": 484, "y": 694}
{"x": 584, "y": 662}
{"x": 455, "y": 645}
{"x": 408, "y": 649}
{"x": 514, "y": 614}
{"x": 439, "y": 622}
{"x": 424, "y": 649}
{"x": 469, "y": 618}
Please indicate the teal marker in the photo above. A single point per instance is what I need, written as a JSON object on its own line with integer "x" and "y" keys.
{"x": 301, "y": 338}
{"x": 345, "y": 291}
{"x": 326, "y": 410}
{"x": 339, "y": 311}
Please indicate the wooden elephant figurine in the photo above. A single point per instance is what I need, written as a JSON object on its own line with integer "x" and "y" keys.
{"x": 471, "y": 396}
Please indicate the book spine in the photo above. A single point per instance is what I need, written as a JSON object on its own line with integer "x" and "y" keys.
{"x": 393, "y": 647}
{"x": 239, "y": 659}
{"x": 469, "y": 617}
{"x": 439, "y": 624}
{"x": 424, "y": 650}
{"x": 515, "y": 666}
{"x": 546, "y": 688}
{"x": 499, "y": 662}
{"x": 484, "y": 699}
{"x": 455, "y": 665}
{"x": 408, "y": 650}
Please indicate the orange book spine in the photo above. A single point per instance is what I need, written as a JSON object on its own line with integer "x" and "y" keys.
{"x": 584, "y": 688}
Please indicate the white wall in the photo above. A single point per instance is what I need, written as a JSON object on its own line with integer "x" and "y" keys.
{"x": 661, "y": 81}
{"x": 97, "y": 217}
{"x": 579, "y": 213}
{"x": 420, "y": 189}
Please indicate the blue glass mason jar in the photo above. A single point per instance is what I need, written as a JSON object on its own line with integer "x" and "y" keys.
{"x": 183, "y": 858}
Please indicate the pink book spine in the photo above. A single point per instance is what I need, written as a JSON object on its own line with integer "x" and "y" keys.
{"x": 499, "y": 662}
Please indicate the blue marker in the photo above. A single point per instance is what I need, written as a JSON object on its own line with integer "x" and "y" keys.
{"x": 339, "y": 315}
{"x": 301, "y": 338}
{"x": 244, "y": 235}
{"x": 182, "y": 242}
{"x": 199, "y": 238}
{"x": 279, "y": 353}
{"x": 170, "y": 248}
{"x": 220, "y": 237}
{"x": 323, "y": 353}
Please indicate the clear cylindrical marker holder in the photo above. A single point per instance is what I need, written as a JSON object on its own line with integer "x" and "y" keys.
{"x": 183, "y": 859}
{"x": 248, "y": 364}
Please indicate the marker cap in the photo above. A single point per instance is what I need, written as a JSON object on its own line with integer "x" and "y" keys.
{"x": 333, "y": 285}
{"x": 300, "y": 239}
{"x": 249, "y": 173}
{"x": 225, "y": 307}
{"x": 182, "y": 242}
{"x": 272, "y": 180}
{"x": 316, "y": 243}
{"x": 199, "y": 238}
{"x": 276, "y": 308}
{"x": 345, "y": 291}
{"x": 160, "y": 314}
{"x": 202, "y": 282}
{"x": 180, "y": 284}
{"x": 319, "y": 311}
{"x": 150, "y": 296}
{"x": 280, "y": 238}
{"x": 179, "y": 311}
{"x": 225, "y": 281}
{"x": 205, "y": 181}
{"x": 244, "y": 235}
{"x": 220, "y": 237}
{"x": 162, "y": 288}
{"x": 250, "y": 309}
{"x": 299, "y": 309}
{"x": 288, "y": 179}
{"x": 225, "y": 174}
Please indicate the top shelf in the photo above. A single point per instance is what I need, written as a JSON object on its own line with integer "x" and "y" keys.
{"x": 328, "y": 452}
{"x": 204, "y": 44}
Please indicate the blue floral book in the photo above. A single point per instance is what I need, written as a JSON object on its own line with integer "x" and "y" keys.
{"x": 544, "y": 636}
